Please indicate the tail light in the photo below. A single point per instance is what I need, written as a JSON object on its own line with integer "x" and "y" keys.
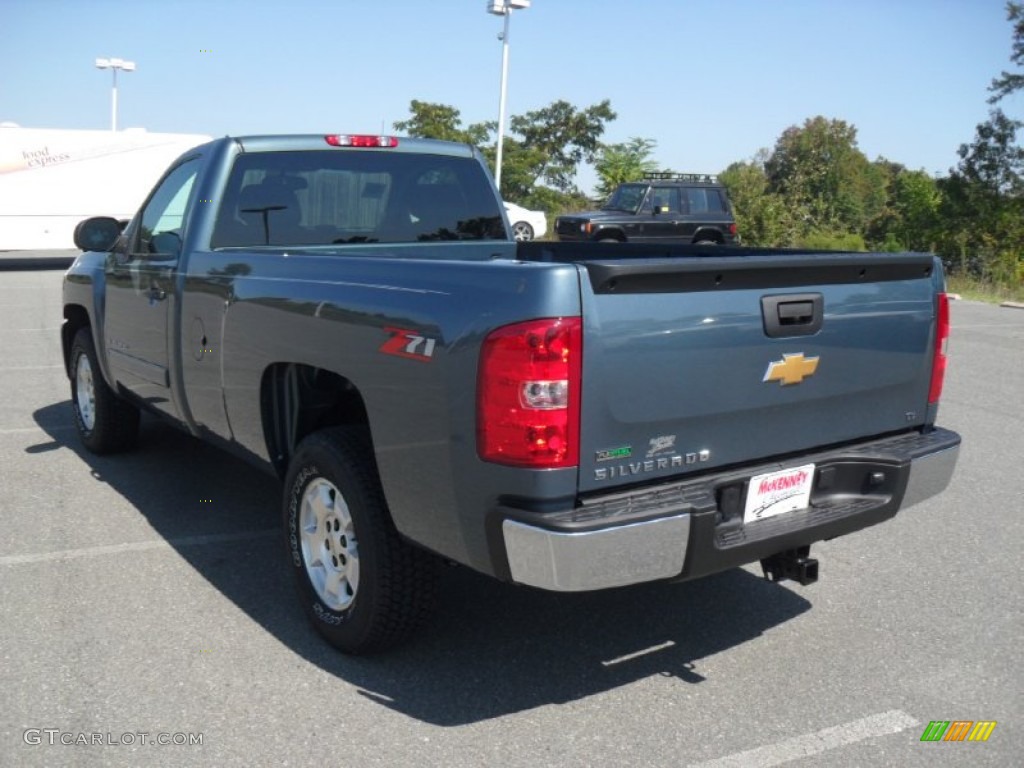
{"x": 941, "y": 345}
{"x": 528, "y": 394}
{"x": 349, "y": 140}
{"x": 732, "y": 227}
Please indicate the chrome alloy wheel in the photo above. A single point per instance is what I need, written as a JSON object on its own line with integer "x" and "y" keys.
{"x": 85, "y": 392}
{"x": 522, "y": 231}
{"x": 329, "y": 548}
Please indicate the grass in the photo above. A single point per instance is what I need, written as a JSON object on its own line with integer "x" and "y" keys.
{"x": 982, "y": 290}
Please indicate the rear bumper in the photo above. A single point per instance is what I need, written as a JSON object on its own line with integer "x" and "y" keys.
{"x": 693, "y": 528}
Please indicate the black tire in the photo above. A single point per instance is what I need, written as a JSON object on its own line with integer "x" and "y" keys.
{"x": 706, "y": 242}
{"x": 105, "y": 423}
{"x": 395, "y": 588}
{"x": 609, "y": 240}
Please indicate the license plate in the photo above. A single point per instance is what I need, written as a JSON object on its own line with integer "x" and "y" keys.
{"x": 776, "y": 493}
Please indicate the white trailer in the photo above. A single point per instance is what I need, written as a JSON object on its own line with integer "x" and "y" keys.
{"x": 52, "y": 179}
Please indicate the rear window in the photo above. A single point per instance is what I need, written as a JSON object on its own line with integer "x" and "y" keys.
{"x": 357, "y": 196}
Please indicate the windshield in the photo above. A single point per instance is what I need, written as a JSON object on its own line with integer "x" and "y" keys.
{"x": 626, "y": 198}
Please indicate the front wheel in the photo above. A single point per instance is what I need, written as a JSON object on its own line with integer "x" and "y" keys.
{"x": 105, "y": 423}
{"x": 363, "y": 587}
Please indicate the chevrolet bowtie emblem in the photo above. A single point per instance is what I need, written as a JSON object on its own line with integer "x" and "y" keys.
{"x": 791, "y": 369}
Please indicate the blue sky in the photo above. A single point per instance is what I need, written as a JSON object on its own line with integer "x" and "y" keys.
{"x": 711, "y": 81}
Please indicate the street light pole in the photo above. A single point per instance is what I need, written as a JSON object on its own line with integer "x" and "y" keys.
{"x": 503, "y": 8}
{"x": 113, "y": 65}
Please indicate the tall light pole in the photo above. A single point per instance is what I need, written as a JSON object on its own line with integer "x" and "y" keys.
{"x": 503, "y": 8}
{"x": 113, "y": 65}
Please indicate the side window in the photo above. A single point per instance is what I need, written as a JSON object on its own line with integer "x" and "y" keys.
{"x": 705, "y": 200}
{"x": 160, "y": 232}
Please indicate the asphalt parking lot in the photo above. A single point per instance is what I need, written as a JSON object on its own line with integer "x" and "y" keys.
{"x": 145, "y": 596}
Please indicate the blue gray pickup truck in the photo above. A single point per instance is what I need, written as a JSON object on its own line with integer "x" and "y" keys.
{"x": 352, "y": 314}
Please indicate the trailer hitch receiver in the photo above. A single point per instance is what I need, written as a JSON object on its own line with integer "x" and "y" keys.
{"x": 791, "y": 564}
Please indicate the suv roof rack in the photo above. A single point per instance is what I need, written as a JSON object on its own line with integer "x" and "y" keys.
{"x": 673, "y": 176}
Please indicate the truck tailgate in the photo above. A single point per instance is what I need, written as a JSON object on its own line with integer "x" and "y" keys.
{"x": 701, "y": 362}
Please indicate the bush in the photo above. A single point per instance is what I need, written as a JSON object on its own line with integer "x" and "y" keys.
{"x": 832, "y": 241}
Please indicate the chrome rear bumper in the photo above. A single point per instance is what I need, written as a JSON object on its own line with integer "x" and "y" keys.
{"x": 557, "y": 555}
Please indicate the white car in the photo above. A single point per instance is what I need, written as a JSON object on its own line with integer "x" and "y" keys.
{"x": 526, "y": 225}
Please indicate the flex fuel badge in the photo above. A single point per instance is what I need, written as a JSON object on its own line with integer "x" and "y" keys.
{"x": 610, "y": 454}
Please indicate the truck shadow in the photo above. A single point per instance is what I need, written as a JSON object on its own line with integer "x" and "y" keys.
{"x": 493, "y": 648}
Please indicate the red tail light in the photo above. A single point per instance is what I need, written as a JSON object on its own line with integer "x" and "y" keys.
{"x": 347, "y": 140}
{"x": 732, "y": 227}
{"x": 528, "y": 394}
{"x": 941, "y": 344}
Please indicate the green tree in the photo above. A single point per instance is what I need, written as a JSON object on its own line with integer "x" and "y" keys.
{"x": 762, "y": 216}
{"x": 826, "y": 180}
{"x": 911, "y": 218}
{"x": 618, "y": 163}
{"x": 1011, "y": 82}
{"x": 546, "y": 145}
{"x": 434, "y": 121}
{"x": 520, "y": 168}
{"x": 566, "y": 136}
{"x": 984, "y": 204}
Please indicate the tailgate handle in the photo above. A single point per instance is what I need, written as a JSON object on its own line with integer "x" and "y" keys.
{"x": 798, "y": 314}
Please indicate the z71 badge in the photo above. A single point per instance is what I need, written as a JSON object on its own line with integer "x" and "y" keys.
{"x": 409, "y": 344}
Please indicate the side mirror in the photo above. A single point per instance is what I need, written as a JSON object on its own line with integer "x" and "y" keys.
{"x": 97, "y": 234}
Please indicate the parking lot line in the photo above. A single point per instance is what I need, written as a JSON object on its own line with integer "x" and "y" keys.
{"x": 810, "y": 744}
{"x": 137, "y": 546}
{"x": 54, "y": 428}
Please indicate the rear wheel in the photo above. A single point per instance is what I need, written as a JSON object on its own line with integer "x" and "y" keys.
{"x": 105, "y": 423}
{"x": 706, "y": 242}
{"x": 522, "y": 231}
{"x": 609, "y": 240}
{"x": 363, "y": 587}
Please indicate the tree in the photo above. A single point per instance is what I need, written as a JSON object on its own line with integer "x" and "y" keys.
{"x": 910, "y": 220}
{"x": 618, "y": 163}
{"x": 762, "y": 217}
{"x": 565, "y": 136}
{"x": 1011, "y": 82}
{"x": 433, "y": 121}
{"x": 994, "y": 162}
{"x": 825, "y": 179}
{"x": 520, "y": 169}
{"x": 984, "y": 204}
{"x": 550, "y": 145}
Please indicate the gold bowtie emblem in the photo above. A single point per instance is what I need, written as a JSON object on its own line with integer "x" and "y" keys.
{"x": 791, "y": 369}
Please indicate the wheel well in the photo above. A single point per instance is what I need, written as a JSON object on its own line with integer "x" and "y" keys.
{"x": 297, "y": 400}
{"x": 708, "y": 234}
{"x": 75, "y": 318}
{"x": 610, "y": 234}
